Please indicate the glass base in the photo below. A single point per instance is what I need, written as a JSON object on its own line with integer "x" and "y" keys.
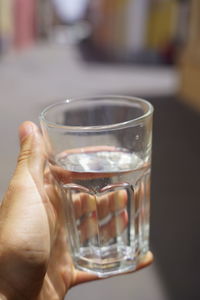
{"x": 105, "y": 270}
{"x": 112, "y": 264}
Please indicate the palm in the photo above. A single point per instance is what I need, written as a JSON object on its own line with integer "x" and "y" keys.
{"x": 61, "y": 274}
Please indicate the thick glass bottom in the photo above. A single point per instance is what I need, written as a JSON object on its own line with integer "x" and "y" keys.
{"x": 108, "y": 263}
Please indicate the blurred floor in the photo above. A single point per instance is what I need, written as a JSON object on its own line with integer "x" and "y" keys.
{"x": 32, "y": 79}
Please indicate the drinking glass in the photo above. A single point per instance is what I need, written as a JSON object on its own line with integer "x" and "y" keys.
{"x": 99, "y": 151}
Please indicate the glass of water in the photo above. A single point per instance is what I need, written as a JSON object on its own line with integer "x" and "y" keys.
{"x": 99, "y": 151}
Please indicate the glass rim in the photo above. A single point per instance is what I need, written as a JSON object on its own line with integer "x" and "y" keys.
{"x": 113, "y": 126}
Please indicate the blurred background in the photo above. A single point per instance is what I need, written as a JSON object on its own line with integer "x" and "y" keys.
{"x": 54, "y": 49}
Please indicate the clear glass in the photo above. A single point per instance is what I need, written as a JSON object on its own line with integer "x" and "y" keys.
{"x": 100, "y": 153}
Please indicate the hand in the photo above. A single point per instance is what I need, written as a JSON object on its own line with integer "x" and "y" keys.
{"x": 34, "y": 259}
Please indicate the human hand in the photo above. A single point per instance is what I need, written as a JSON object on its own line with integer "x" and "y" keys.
{"x": 35, "y": 262}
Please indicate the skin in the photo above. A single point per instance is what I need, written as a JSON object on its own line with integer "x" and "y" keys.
{"x": 34, "y": 258}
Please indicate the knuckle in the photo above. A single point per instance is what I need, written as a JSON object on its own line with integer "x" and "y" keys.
{"x": 24, "y": 155}
{"x": 17, "y": 187}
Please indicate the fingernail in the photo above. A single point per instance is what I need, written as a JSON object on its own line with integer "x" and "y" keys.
{"x": 25, "y": 130}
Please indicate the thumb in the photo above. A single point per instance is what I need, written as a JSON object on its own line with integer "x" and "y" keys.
{"x": 32, "y": 154}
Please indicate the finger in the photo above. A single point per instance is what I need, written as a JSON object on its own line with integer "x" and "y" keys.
{"x": 104, "y": 205}
{"x": 81, "y": 277}
{"x": 111, "y": 202}
{"x": 28, "y": 219}
{"x": 114, "y": 227}
{"x": 88, "y": 228}
{"x": 55, "y": 197}
{"x": 83, "y": 204}
{"x": 145, "y": 260}
{"x": 32, "y": 155}
{"x": 47, "y": 175}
